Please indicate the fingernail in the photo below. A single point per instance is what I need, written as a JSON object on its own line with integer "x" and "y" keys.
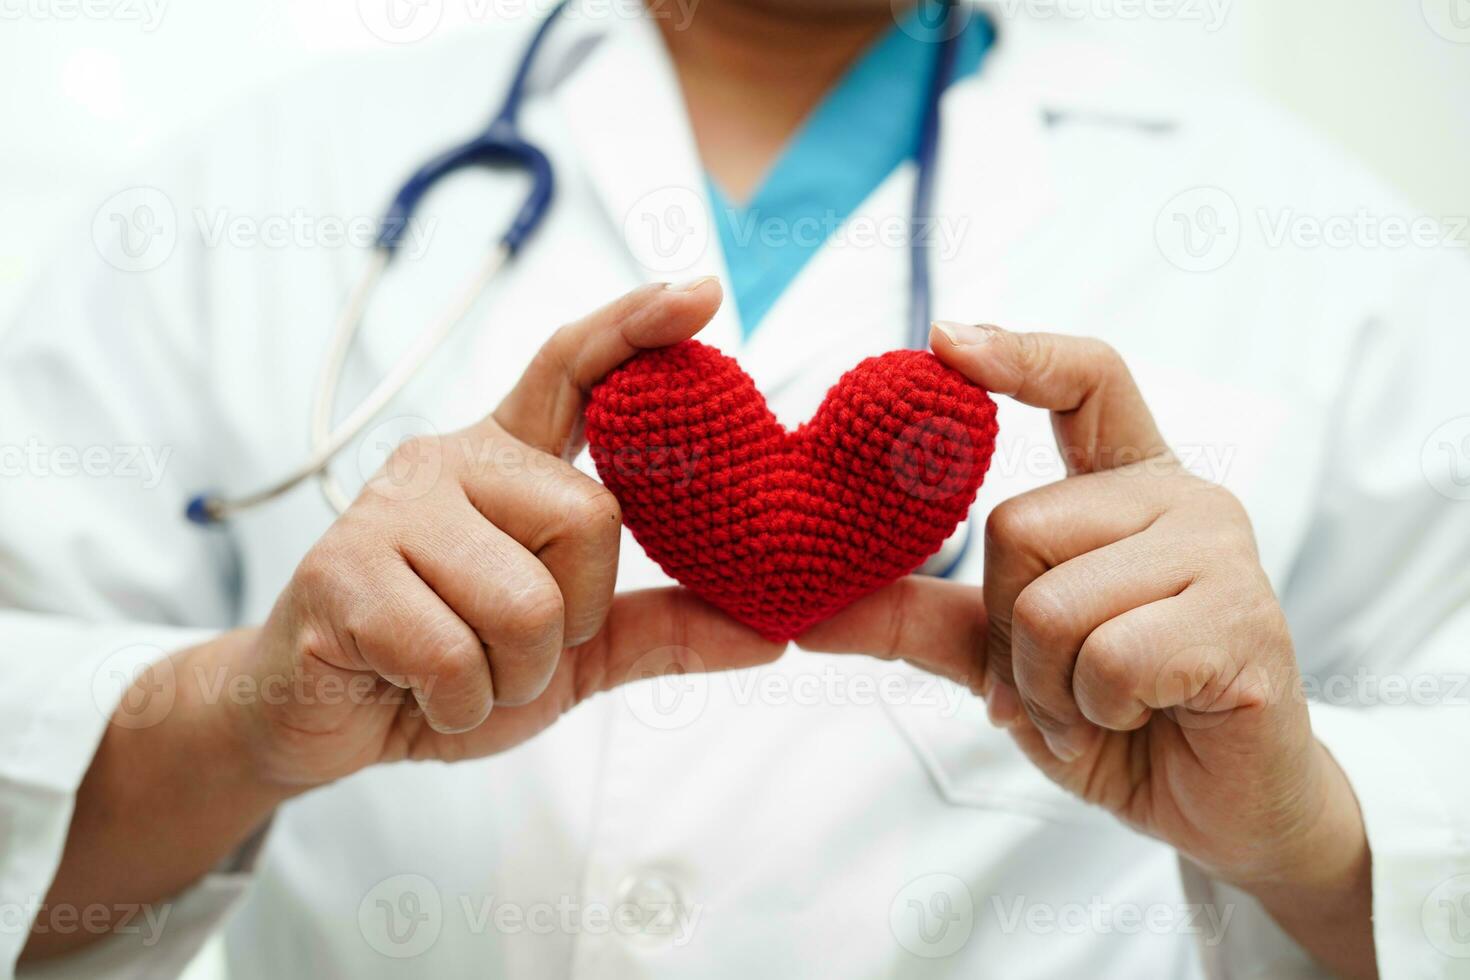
{"x": 1067, "y": 745}
{"x": 690, "y": 286}
{"x": 966, "y": 334}
{"x": 1002, "y": 705}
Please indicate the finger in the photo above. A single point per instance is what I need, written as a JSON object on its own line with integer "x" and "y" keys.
{"x": 1166, "y": 656}
{"x": 571, "y": 523}
{"x": 545, "y": 407}
{"x": 1057, "y": 612}
{"x": 658, "y": 631}
{"x": 1027, "y": 535}
{"x": 936, "y": 625}
{"x": 1098, "y": 413}
{"x": 404, "y": 632}
{"x": 500, "y": 590}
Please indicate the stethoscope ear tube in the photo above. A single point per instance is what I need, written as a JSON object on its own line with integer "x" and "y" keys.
{"x": 499, "y": 146}
{"x": 926, "y": 159}
{"x": 210, "y": 509}
{"x": 538, "y": 198}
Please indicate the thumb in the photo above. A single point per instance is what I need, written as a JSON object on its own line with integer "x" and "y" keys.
{"x": 934, "y": 624}
{"x": 544, "y": 409}
{"x": 1098, "y": 413}
{"x": 653, "y": 632}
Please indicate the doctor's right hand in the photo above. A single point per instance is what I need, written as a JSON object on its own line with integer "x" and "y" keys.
{"x": 466, "y": 619}
{"x": 450, "y": 622}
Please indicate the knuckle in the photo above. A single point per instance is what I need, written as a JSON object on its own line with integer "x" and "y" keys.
{"x": 1105, "y": 664}
{"x": 412, "y": 469}
{"x": 1217, "y": 544}
{"x": 369, "y": 614}
{"x": 1109, "y": 362}
{"x": 316, "y": 573}
{"x": 1259, "y": 612}
{"x": 1244, "y": 568}
{"x": 414, "y": 450}
{"x": 507, "y": 457}
{"x": 1039, "y": 617}
{"x": 313, "y": 642}
{"x": 533, "y": 615}
{"x": 1103, "y": 366}
{"x": 554, "y": 357}
{"x": 326, "y": 567}
{"x": 1231, "y": 549}
{"x": 1046, "y": 716}
{"x": 1224, "y": 507}
{"x": 1010, "y": 524}
{"x": 454, "y": 658}
{"x": 357, "y": 621}
{"x": 1031, "y": 354}
{"x": 1213, "y": 519}
{"x": 1213, "y": 495}
{"x": 1243, "y": 531}
{"x": 446, "y": 655}
{"x": 594, "y": 513}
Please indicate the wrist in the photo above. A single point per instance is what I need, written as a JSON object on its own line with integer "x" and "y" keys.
{"x": 1330, "y": 848}
{"x": 170, "y": 792}
{"x": 1322, "y": 890}
{"x": 221, "y": 703}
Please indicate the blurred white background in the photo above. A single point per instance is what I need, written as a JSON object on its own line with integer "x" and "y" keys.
{"x": 94, "y": 85}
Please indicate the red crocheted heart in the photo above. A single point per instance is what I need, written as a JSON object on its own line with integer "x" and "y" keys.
{"x": 783, "y": 529}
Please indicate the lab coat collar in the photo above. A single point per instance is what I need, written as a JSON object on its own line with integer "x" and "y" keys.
{"x": 621, "y": 103}
{"x": 626, "y": 117}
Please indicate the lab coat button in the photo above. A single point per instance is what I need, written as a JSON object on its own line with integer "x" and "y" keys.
{"x": 650, "y": 908}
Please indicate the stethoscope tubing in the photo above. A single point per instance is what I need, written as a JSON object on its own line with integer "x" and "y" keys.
{"x": 501, "y": 145}
{"x": 328, "y": 443}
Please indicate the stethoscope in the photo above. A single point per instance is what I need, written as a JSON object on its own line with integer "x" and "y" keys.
{"x": 501, "y": 146}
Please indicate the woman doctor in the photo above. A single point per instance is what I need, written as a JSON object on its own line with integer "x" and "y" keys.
{"x": 1138, "y": 634}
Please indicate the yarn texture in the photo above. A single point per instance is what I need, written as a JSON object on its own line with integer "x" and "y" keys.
{"x": 783, "y": 529}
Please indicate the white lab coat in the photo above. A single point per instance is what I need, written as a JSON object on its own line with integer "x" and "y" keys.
{"x": 826, "y": 815}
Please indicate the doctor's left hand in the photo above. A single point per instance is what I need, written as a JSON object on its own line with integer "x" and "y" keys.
{"x": 1128, "y": 639}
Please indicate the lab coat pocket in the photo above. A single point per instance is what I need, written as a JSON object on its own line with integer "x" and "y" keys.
{"x": 974, "y": 764}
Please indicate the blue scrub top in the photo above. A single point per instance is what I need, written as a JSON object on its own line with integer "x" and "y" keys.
{"x": 860, "y": 132}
